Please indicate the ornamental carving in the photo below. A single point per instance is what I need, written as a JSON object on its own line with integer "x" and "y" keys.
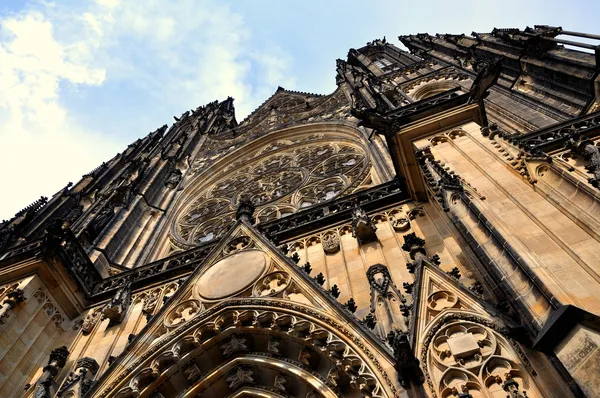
{"x": 183, "y": 313}
{"x": 91, "y": 320}
{"x": 281, "y": 178}
{"x": 441, "y": 300}
{"x": 150, "y": 301}
{"x": 331, "y": 242}
{"x": 272, "y": 284}
{"x": 317, "y": 337}
{"x": 465, "y": 357}
{"x": 363, "y": 227}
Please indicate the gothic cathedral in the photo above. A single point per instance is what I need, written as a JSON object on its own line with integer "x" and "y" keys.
{"x": 429, "y": 229}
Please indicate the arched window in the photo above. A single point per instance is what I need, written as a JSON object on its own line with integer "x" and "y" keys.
{"x": 281, "y": 175}
{"x": 430, "y": 89}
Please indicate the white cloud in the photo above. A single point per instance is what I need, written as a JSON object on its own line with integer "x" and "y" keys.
{"x": 41, "y": 146}
{"x": 179, "y": 53}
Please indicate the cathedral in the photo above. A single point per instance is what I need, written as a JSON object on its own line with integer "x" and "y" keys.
{"x": 429, "y": 229}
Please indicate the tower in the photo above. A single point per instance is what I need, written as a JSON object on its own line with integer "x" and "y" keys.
{"x": 427, "y": 229}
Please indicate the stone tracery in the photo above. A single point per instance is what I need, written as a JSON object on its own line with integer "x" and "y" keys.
{"x": 281, "y": 178}
{"x": 463, "y": 356}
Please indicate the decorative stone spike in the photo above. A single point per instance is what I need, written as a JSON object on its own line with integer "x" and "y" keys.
{"x": 435, "y": 260}
{"x": 320, "y": 279}
{"x": 296, "y": 257}
{"x": 370, "y": 321}
{"x": 45, "y": 386}
{"x": 307, "y": 268}
{"x": 405, "y": 309}
{"x": 455, "y": 273}
{"x": 477, "y": 287}
{"x": 411, "y": 267}
{"x": 408, "y": 287}
{"x": 284, "y": 248}
{"x": 335, "y": 291}
{"x": 351, "y": 305}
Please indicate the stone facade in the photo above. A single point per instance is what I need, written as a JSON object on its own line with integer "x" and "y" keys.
{"x": 429, "y": 229}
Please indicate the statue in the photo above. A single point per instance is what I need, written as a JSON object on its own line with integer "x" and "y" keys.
{"x": 117, "y": 307}
{"x": 363, "y": 228}
{"x": 407, "y": 365}
{"x": 487, "y": 77}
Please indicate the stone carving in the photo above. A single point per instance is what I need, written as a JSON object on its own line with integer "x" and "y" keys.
{"x": 512, "y": 387}
{"x": 85, "y": 369}
{"x": 331, "y": 243}
{"x": 282, "y": 179}
{"x": 182, "y": 313}
{"x": 239, "y": 377}
{"x": 401, "y": 224}
{"x": 273, "y": 346}
{"x": 279, "y": 384}
{"x": 91, "y": 320}
{"x": 370, "y": 321}
{"x": 234, "y": 345}
{"x": 487, "y": 77}
{"x": 591, "y": 154}
{"x": 192, "y": 372}
{"x": 46, "y": 386}
{"x": 363, "y": 228}
{"x": 333, "y": 376}
{"x": 150, "y": 301}
{"x": 407, "y": 365}
{"x": 415, "y": 246}
{"x": 463, "y": 341}
{"x": 117, "y": 307}
{"x": 174, "y": 179}
{"x": 11, "y": 299}
{"x": 272, "y": 284}
{"x": 441, "y": 299}
{"x": 304, "y": 356}
{"x": 334, "y": 335}
{"x": 237, "y": 244}
{"x": 245, "y": 210}
{"x": 379, "y": 278}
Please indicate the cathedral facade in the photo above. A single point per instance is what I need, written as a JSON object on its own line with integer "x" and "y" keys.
{"x": 429, "y": 229}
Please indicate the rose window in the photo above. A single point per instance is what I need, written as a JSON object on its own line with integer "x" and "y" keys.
{"x": 280, "y": 178}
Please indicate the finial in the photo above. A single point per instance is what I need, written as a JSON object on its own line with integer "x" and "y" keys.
{"x": 245, "y": 210}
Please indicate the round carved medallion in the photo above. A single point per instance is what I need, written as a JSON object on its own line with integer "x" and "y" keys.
{"x": 232, "y": 274}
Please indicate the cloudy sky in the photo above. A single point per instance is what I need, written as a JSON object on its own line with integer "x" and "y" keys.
{"x": 81, "y": 79}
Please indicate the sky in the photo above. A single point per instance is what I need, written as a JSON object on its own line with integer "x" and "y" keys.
{"x": 81, "y": 79}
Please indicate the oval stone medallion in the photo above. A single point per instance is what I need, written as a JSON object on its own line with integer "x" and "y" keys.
{"x": 232, "y": 275}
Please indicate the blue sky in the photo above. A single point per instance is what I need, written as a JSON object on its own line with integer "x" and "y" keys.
{"x": 80, "y": 80}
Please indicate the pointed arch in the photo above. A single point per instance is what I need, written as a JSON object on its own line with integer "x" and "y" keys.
{"x": 466, "y": 352}
{"x": 309, "y": 348}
